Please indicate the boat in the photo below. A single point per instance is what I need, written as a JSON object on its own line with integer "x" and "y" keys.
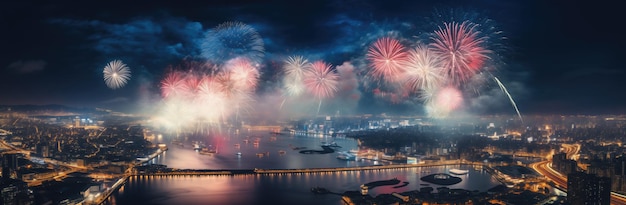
{"x": 177, "y": 142}
{"x": 282, "y": 152}
{"x": 458, "y": 171}
{"x": 332, "y": 144}
{"x": 239, "y": 154}
{"x": 197, "y": 145}
{"x": 207, "y": 151}
{"x": 346, "y": 156}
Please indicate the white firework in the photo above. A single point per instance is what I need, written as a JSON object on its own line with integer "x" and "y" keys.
{"x": 423, "y": 69}
{"x": 294, "y": 71}
{"x": 116, "y": 74}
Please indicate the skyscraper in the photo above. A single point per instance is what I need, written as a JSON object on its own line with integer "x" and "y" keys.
{"x": 9, "y": 166}
{"x": 588, "y": 189}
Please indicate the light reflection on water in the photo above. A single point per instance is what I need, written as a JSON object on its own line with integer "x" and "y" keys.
{"x": 273, "y": 189}
{"x": 186, "y": 158}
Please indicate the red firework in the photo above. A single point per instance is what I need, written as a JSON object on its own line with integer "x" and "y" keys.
{"x": 173, "y": 84}
{"x": 387, "y": 57}
{"x": 244, "y": 75}
{"x": 460, "y": 47}
{"x": 320, "y": 80}
{"x": 192, "y": 85}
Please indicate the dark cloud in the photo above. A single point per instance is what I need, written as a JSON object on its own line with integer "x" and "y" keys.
{"x": 146, "y": 36}
{"x": 28, "y": 66}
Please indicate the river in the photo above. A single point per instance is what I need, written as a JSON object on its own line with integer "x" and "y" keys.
{"x": 270, "y": 189}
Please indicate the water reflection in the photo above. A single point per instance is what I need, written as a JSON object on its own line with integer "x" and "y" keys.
{"x": 288, "y": 188}
{"x": 272, "y": 189}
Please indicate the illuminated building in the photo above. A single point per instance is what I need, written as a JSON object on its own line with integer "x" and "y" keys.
{"x": 9, "y": 166}
{"x": 588, "y": 189}
{"x": 15, "y": 192}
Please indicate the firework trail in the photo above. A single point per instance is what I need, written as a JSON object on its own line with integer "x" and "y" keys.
{"x": 320, "y": 80}
{"x": 387, "y": 57}
{"x": 510, "y": 98}
{"x": 116, "y": 74}
{"x": 233, "y": 39}
{"x": 460, "y": 47}
{"x": 423, "y": 70}
{"x": 293, "y": 74}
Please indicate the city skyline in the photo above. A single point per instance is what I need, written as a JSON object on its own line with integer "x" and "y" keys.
{"x": 553, "y": 57}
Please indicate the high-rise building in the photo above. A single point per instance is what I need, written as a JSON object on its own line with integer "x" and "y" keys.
{"x": 15, "y": 192}
{"x": 9, "y": 166}
{"x": 588, "y": 189}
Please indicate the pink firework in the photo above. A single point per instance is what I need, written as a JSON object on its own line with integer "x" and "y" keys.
{"x": 450, "y": 98}
{"x": 243, "y": 73}
{"x": 173, "y": 84}
{"x": 211, "y": 97}
{"x": 387, "y": 57}
{"x": 320, "y": 80}
{"x": 192, "y": 85}
{"x": 461, "y": 48}
{"x": 443, "y": 102}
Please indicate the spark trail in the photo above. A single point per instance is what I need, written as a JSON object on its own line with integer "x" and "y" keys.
{"x": 510, "y": 98}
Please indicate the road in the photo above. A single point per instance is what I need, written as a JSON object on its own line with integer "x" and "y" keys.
{"x": 71, "y": 168}
{"x": 560, "y": 180}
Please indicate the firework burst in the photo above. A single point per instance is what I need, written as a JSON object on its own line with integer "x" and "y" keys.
{"x": 443, "y": 102}
{"x": 242, "y": 73}
{"x": 321, "y": 81}
{"x": 233, "y": 39}
{"x": 116, "y": 74}
{"x": 461, "y": 49}
{"x": 173, "y": 84}
{"x": 293, "y": 74}
{"x": 423, "y": 70}
{"x": 387, "y": 58}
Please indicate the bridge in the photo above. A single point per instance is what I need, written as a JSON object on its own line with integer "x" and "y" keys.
{"x": 176, "y": 172}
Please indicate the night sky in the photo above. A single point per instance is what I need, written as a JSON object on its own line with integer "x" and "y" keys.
{"x": 557, "y": 57}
